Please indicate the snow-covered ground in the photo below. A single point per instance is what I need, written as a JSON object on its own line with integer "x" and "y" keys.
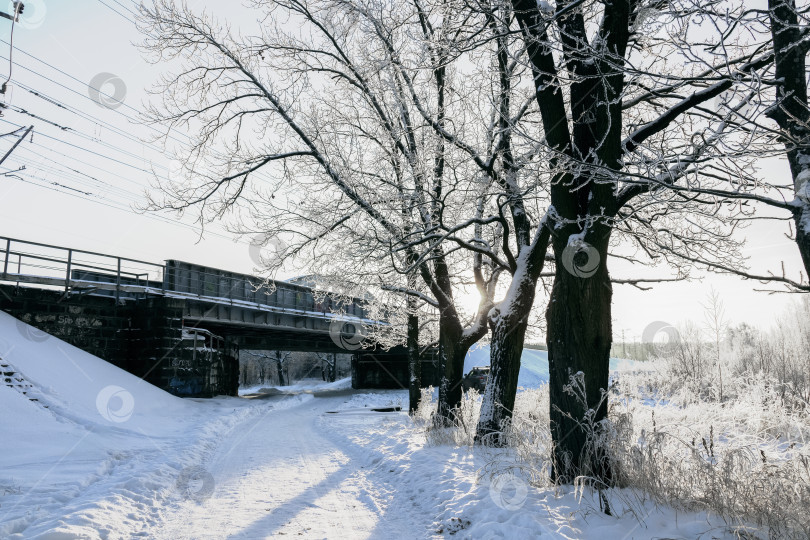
{"x": 102, "y": 454}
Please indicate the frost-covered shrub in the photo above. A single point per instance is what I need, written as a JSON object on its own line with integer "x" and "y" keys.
{"x": 745, "y": 458}
{"x": 710, "y": 368}
{"x": 529, "y": 436}
{"x": 461, "y": 432}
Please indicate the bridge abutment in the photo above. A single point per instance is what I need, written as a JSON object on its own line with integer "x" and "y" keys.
{"x": 144, "y": 337}
{"x": 370, "y": 370}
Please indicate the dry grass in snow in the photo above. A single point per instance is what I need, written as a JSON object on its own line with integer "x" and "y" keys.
{"x": 744, "y": 458}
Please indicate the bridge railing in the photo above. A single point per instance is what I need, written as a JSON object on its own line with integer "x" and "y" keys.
{"x": 49, "y": 266}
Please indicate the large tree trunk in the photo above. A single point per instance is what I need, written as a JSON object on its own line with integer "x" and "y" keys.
{"x": 414, "y": 364}
{"x": 792, "y": 112}
{"x": 579, "y": 339}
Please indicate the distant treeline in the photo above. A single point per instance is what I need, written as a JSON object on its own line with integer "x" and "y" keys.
{"x": 633, "y": 350}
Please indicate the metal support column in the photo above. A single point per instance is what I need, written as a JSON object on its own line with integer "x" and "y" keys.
{"x": 69, "y": 263}
{"x": 8, "y": 252}
{"x": 118, "y": 283}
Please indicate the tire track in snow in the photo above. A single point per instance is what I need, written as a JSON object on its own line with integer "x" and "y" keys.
{"x": 280, "y": 474}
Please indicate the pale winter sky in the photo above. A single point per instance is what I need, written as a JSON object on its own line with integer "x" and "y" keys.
{"x": 86, "y": 169}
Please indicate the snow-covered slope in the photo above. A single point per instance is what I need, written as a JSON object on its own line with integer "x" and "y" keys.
{"x": 533, "y": 365}
{"x": 98, "y": 443}
{"x": 81, "y": 386}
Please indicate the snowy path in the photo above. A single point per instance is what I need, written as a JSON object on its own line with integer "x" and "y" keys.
{"x": 281, "y": 474}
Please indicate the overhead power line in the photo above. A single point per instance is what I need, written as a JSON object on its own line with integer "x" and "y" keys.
{"x": 18, "y": 7}
{"x": 23, "y": 136}
{"x": 173, "y": 135}
{"x": 83, "y": 84}
{"x": 76, "y": 174}
{"x": 114, "y": 10}
{"x": 53, "y": 186}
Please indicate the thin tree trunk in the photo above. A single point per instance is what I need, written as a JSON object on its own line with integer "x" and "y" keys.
{"x": 803, "y": 241}
{"x": 280, "y": 369}
{"x": 451, "y": 354}
{"x": 579, "y": 339}
{"x": 414, "y": 364}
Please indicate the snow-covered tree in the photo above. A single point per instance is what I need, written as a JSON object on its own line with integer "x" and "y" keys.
{"x": 416, "y": 147}
{"x": 354, "y": 132}
{"x": 638, "y": 157}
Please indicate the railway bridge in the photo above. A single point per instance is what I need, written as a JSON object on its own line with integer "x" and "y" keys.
{"x": 181, "y": 325}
